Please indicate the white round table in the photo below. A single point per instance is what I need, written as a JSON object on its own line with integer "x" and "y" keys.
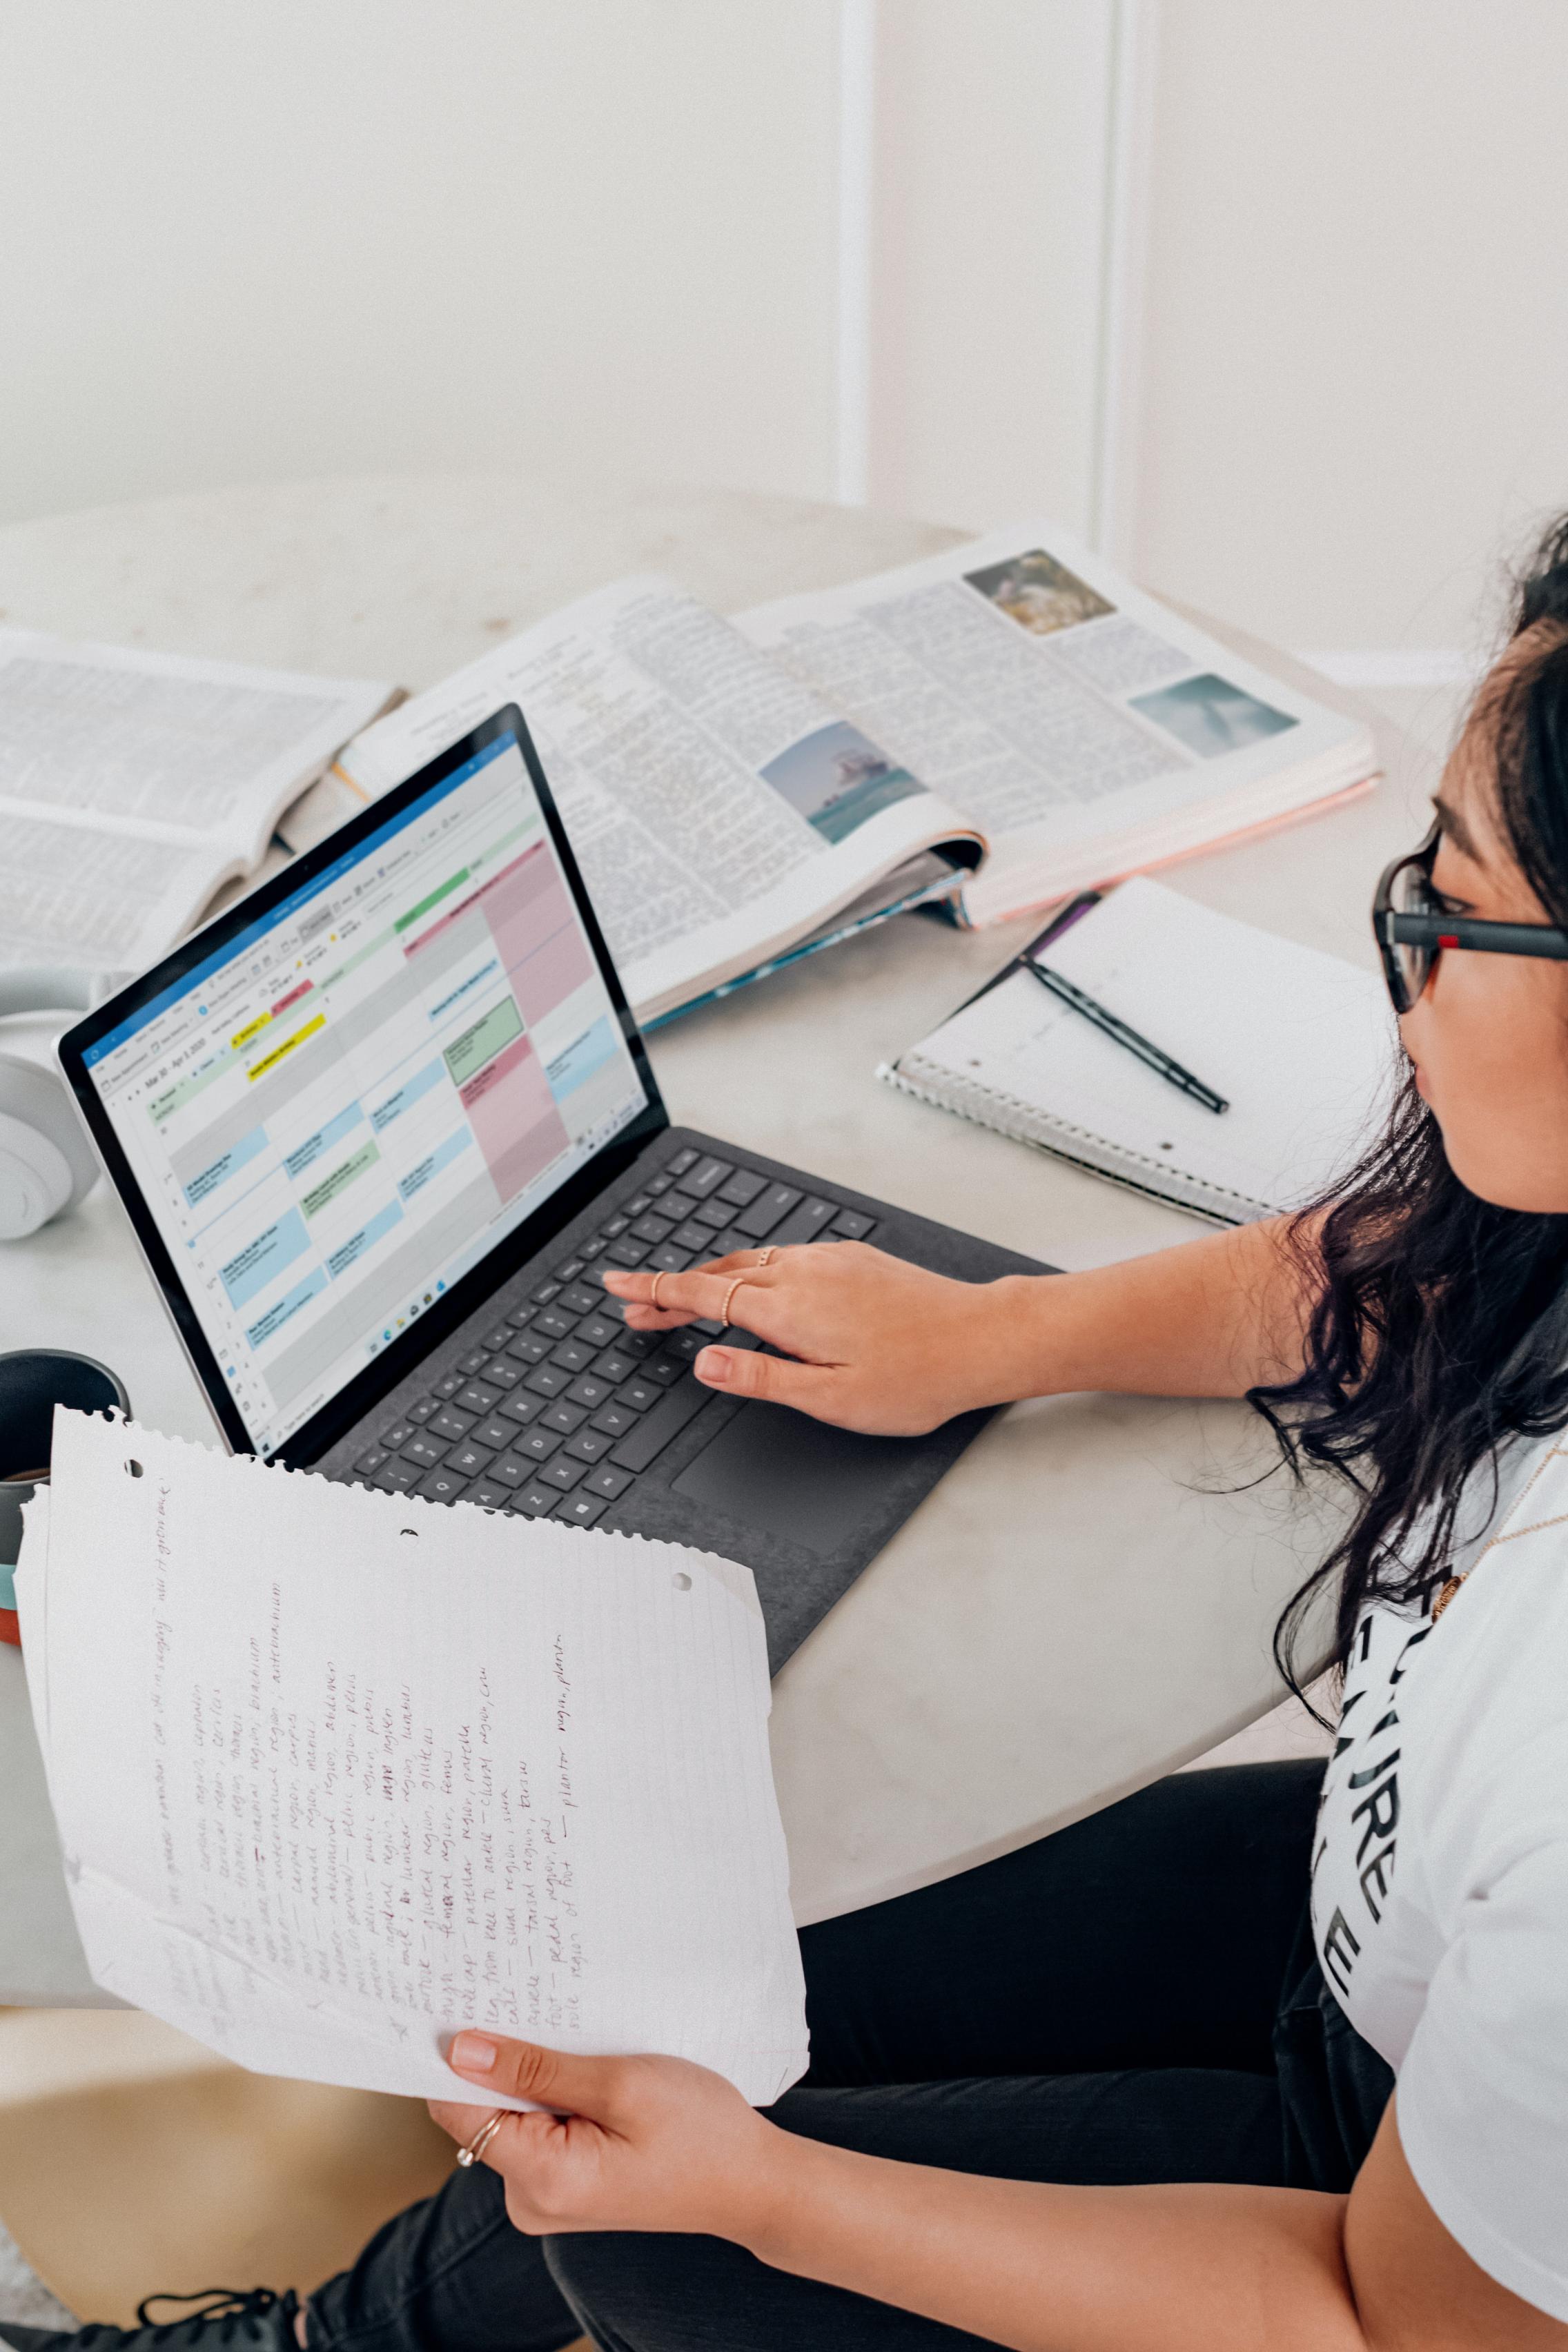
{"x": 1086, "y": 1600}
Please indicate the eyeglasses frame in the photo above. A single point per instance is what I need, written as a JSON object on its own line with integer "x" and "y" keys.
{"x": 1392, "y": 929}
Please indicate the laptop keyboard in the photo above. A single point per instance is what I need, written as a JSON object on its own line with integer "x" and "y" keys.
{"x": 559, "y": 1410}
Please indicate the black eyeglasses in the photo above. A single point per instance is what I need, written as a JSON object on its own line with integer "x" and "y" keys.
{"x": 1412, "y": 927}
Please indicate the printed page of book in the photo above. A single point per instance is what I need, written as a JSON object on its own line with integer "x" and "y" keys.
{"x": 719, "y": 809}
{"x": 160, "y": 747}
{"x": 97, "y": 902}
{"x": 1082, "y": 726}
{"x": 338, "y": 1773}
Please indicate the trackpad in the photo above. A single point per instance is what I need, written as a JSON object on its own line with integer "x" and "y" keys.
{"x": 774, "y": 1469}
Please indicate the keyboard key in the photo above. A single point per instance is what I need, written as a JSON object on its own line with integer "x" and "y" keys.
{"x": 851, "y": 1226}
{"x": 467, "y": 1460}
{"x": 742, "y": 1188}
{"x": 424, "y": 1449}
{"x": 657, "y": 1184}
{"x": 607, "y": 1481}
{"x": 599, "y": 1332}
{"x": 591, "y": 1391}
{"x": 695, "y": 1237}
{"x": 563, "y": 1416}
{"x": 581, "y": 1509}
{"x": 626, "y": 1252}
{"x": 493, "y": 1434}
{"x": 547, "y": 1380}
{"x": 539, "y": 1444}
{"x": 548, "y": 1290}
{"x": 713, "y": 1215}
{"x": 615, "y": 1365}
{"x": 512, "y": 1470}
{"x": 489, "y": 1497}
{"x": 803, "y": 1224}
{"x": 441, "y": 1487}
{"x": 420, "y": 1411}
{"x": 651, "y": 1228}
{"x": 663, "y": 1370}
{"x": 615, "y": 1420}
{"x": 637, "y": 1392}
{"x": 613, "y": 1227}
{"x": 680, "y": 1163}
{"x": 396, "y": 1434}
{"x": 567, "y": 1273}
{"x": 727, "y": 1245}
{"x": 638, "y": 1204}
{"x": 563, "y": 1473}
{"x": 667, "y": 1259}
{"x": 573, "y": 1355}
{"x": 591, "y": 1250}
{"x": 769, "y": 1209}
{"x": 369, "y": 1464}
{"x": 655, "y": 1430}
{"x": 530, "y": 1347}
{"x": 521, "y": 1408}
{"x": 502, "y": 1373}
{"x": 448, "y": 1386}
{"x": 589, "y": 1445}
{"x": 474, "y": 1362}
{"x": 684, "y": 1345}
{"x": 638, "y": 1343}
{"x": 679, "y": 1205}
{"x": 496, "y": 1339}
{"x": 578, "y": 1300}
{"x": 706, "y": 1178}
{"x": 537, "y": 1502}
{"x": 478, "y": 1398}
{"x": 451, "y": 1424}
{"x": 396, "y": 1477}
{"x": 554, "y": 1323}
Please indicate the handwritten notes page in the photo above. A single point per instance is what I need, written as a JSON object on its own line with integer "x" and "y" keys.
{"x": 337, "y": 1773}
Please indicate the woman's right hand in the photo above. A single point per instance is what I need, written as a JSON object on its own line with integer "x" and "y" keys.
{"x": 868, "y": 1341}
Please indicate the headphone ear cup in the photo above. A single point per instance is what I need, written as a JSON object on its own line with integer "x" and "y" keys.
{"x": 47, "y": 1164}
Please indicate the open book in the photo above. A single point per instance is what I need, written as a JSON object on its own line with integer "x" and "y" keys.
{"x": 133, "y": 784}
{"x": 992, "y": 727}
{"x": 337, "y": 1773}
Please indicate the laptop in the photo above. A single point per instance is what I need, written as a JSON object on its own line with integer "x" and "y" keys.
{"x": 378, "y": 1128}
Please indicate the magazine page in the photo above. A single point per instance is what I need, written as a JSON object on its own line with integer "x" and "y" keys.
{"x": 1082, "y": 726}
{"x": 718, "y": 807}
{"x": 162, "y": 748}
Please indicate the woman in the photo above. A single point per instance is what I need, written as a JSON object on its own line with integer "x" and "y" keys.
{"x": 1128, "y": 2088}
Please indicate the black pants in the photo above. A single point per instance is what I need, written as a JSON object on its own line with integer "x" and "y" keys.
{"x": 1133, "y": 2000}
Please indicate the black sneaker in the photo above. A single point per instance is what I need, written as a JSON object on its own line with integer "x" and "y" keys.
{"x": 219, "y": 2314}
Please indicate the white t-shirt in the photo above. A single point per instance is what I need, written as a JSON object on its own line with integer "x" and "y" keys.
{"x": 1452, "y": 1752}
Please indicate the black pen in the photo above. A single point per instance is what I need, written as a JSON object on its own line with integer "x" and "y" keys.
{"x": 1119, "y": 1031}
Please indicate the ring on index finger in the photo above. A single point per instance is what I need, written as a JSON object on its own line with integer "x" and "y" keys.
{"x": 653, "y": 1294}
{"x": 475, "y": 2149}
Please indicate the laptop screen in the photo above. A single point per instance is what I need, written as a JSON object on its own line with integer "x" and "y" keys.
{"x": 345, "y": 1107}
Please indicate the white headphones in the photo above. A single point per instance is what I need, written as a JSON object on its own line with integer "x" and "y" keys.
{"x": 46, "y": 1163}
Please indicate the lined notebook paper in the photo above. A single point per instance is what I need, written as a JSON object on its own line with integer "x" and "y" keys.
{"x": 1302, "y": 1044}
{"x": 338, "y": 1772}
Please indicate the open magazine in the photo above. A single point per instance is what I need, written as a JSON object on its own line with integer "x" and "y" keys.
{"x": 993, "y": 728}
{"x": 134, "y": 785}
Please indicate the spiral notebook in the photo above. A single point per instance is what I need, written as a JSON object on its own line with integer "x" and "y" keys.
{"x": 1302, "y": 1044}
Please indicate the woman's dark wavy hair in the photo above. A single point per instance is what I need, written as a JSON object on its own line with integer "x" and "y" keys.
{"x": 1433, "y": 1338}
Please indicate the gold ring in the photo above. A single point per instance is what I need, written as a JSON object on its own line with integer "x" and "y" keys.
{"x": 653, "y": 1294}
{"x": 738, "y": 1284}
{"x": 766, "y": 1257}
{"x": 481, "y": 2139}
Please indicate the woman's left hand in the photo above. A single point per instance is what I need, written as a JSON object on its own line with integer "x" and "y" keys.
{"x": 632, "y": 2143}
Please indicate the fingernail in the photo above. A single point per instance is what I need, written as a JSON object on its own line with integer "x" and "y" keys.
{"x": 712, "y": 1366}
{"x": 473, "y": 2053}
{"x": 613, "y": 1281}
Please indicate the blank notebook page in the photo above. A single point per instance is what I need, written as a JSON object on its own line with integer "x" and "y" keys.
{"x": 1300, "y": 1043}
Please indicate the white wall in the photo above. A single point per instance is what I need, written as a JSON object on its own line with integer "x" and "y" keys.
{"x": 298, "y": 236}
{"x": 1356, "y": 375}
{"x": 302, "y": 237}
